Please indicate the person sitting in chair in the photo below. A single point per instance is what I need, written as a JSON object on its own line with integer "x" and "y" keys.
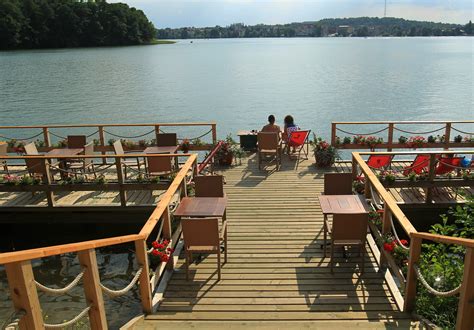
{"x": 290, "y": 126}
{"x": 271, "y": 127}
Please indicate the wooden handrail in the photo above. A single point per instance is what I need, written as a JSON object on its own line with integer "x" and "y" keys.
{"x": 130, "y": 155}
{"x": 9, "y": 257}
{"x": 109, "y": 125}
{"x": 469, "y": 243}
{"x": 408, "y": 122}
{"x": 389, "y": 201}
{"x": 427, "y": 152}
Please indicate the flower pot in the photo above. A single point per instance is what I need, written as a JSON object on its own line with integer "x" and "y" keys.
{"x": 185, "y": 150}
{"x": 226, "y": 160}
{"x": 323, "y": 161}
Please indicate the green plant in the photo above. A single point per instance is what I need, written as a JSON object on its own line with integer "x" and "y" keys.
{"x": 347, "y": 140}
{"x": 458, "y": 138}
{"x": 39, "y": 143}
{"x": 96, "y": 142}
{"x": 402, "y": 139}
{"x": 100, "y": 179}
{"x": 431, "y": 139}
{"x": 128, "y": 143}
{"x": 185, "y": 144}
{"x": 27, "y": 180}
{"x": 143, "y": 143}
{"x": 387, "y": 176}
{"x": 11, "y": 179}
{"x": 198, "y": 142}
{"x": 412, "y": 177}
{"x": 358, "y": 139}
{"x": 111, "y": 142}
{"x": 61, "y": 143}
{"x": 324, "y": 153}
{"x": 155, "y": 179}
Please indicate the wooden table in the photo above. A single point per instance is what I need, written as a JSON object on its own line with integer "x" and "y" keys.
{"x": 201, "y": 207}
{"x": 59, "y": 153}
{"x": 331, "y": 204}
{"x": 248, "y": 139}
{"x": 161, "y": 150}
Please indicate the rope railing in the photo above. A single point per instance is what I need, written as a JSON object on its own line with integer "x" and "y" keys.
{"x": 63, "y": 290}
{"x": 92, "y": 134}
{"x": 425, "y": 132}
{"x": 57, "y": 135}
{"x": 117, "y": 293}
{"x": 394, "y": 231}
{"x": 70, "y": 322}
{"x": 462, "y": 132}
{"x": 129, "y": 137}
{"x": 363, "y": 134}
{"x": 191, "y": 139}
{"x": 20, "y": 139}
{"x": 14, "y": 319}
{"x": 432, "y": 290}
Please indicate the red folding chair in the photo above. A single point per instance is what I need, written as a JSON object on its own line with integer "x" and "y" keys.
{"x": 420, "y": 164}
{"x": 448, "y": 164}
{"x": 298, "y": 140}
{"x": 379, "y": 161}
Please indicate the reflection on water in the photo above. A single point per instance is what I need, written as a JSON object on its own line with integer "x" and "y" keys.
{"x": 116, "y": 268}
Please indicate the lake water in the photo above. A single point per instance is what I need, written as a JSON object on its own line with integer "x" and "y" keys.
{"x": 238, "y": 82}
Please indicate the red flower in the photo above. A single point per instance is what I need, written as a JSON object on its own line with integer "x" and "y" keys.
{"x": 404, "y": 242}
{"x": 155, "y": 244}
{"x": 165, "y": 258}
{"x": 388, "y": 247}
{"x": 155, "y": 252}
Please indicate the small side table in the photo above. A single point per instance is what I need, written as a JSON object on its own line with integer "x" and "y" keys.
{"x": 248, "y": 140}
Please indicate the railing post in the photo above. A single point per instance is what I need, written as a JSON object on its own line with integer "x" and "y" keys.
{"x": 390, "y": 136}
{"x": 92, "y": 290}
{"x": 23, "y": 293}
{"x": 167, "y": 224}
{"x": 354, "y": 168}
{"x": 386, "y": 227}
{"x": 367, "y": 191}
{"x": 102, "y": 142}
{"x": 157, "y": 131}
{"x": 120, "y": 177}
{"x": 410, "y": 288}
{"x": 47, "y": 141}
{"x": 333, "y": 134}
{"x": 447, "y": 136}
{"x": 431, "y": 176}
{"x": 465, "y": 318}
{"x": 144, "y": 281}
{"x": 214, "y": 134}
{"x": 48, "y": 180}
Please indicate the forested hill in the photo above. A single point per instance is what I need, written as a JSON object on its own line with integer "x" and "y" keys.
{"x": 69, "y": 23}
{"x": 356, "y": 27}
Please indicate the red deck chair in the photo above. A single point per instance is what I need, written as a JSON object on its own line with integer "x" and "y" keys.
{"x": 420, "y": 164}
{"x": 298, "y": 140}
{"x": 379, "y": 161}
{"x": 448, "y": 164}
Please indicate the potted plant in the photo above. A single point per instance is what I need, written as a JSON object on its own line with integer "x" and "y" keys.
{"x": 185, "y": 144}
{"x": 359, "y": 184}
{"x": 458, "y": 139}
{"x": 229, "y": 149}
{"x": 402, "y": 139}
{"x": 358, "y": 139}
{"x": 431, "y": 139}
{"x": 325, "y": 154}
{"x": 347, "y": 140}
{"x": 372, "y": 141}
{"x": 416, "y": 142}
{"x": 159, "y": 252}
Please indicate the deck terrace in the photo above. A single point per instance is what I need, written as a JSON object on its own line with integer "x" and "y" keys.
{"x": 276, "y": 271}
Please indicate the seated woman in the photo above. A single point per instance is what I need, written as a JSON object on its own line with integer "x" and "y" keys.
{"x": 290, "y": 126}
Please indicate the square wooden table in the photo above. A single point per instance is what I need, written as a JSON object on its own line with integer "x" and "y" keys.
{"x": 60, "y": 153}
{"x": 202, "y": 207}
{"x": 331, "y": 204}
{"x": 161, "y": 150}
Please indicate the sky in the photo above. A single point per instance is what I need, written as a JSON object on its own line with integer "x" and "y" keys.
{"x": 182, "y": 13}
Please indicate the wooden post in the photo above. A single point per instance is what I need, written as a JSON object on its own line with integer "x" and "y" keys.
{"x": 102, "y": 142}
{"x": 23, "y": 293}
{"x": 166, "y": 224}
{"x": 92, "y": 289}
{"x": 120, "y": 177}
{"x": 386, "y": 228}
{"x": 214, "y": 134}
{"x": 144, "y": 281}
{"x": 333, "y": 134}
{"x": 47, "y": 141}
{"x": 447, "y": 136}
{"x": 354, "y": 169}
{"x": 431, "y": 176}
{"x": 465, "y": 318}
{"x": 410, "y": 288}
{"x": 157, "y": 131}
{"x": 390, "y": 136}
{"x": 48, "y": 180}
{"x": 367, "y": 191}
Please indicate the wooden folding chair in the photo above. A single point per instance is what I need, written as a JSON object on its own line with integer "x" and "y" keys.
{"x": 348, "y": 229}
{"x": 338, "y": 184}
{"x": 379, "y": 161}
{"x": 209, "y": 186}
{"x": 118, "y": 149}
{"x": 299, "y": 141}
{"x": 159, "y": 166}
{"x": 31, "y": 150}
{"x": 84, "y": 164}
{"x": 4, "y": 152}
{"x": 202, "y": 235}
{"x": 269, "y": 143}
{"x": 166, "y": 139}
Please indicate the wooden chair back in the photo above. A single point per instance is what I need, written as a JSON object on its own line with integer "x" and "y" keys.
{"x": 118, "y": 148}
{"x": 76, "y": 141}
{"x": 36, "y": 167}
{"x": 200, "y": 232}
{"x": 166, "y": 139}
{"x": 338, "y": 184}
{"x": 3, "y": 149}
{"x": 267, "y": 140}
{"x": 350, "y": 227}
{"x": 88, "y": 150}
{"x": 209, "y": 186}
{"x": 30, "y": 149}
{"x": 159, "y": 164}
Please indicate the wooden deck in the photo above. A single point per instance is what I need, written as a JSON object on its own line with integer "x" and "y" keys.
{"x": 276, "y": 275}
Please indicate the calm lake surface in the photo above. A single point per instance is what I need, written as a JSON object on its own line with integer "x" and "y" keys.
{"x": 236, "y": 83}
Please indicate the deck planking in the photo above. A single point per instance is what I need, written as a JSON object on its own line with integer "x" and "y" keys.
{"x": 276, "y": 270}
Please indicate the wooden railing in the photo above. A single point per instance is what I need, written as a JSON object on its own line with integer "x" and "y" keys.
{"x": 390, "y": 131}
{"x": 21, "y": 279}
{"x": 114, "y": 179}
{"x": 42, "y": 134}
{"x": 392, "y": 213}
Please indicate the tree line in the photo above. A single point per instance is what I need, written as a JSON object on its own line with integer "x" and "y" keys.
{"x": 356, "y": 27}
{"x": 67, "y": 23}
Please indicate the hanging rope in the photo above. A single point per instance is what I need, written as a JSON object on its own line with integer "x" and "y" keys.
{"x": 396, "y": 236}
{"x": 427, "y": 132}
{"x": 197, "y": 137}
{"x": 462, "y": 132}
{"x": 93, "y": 133}
{"x": 129, "y": 137}
{"x": 117, "y": 293}
{"x": 352, "y": 133}
{"x": 60, "y": 291}
{"x": 21, "y": 139}
{"x": 432, "y": 290}
{"x": 70, "y": 322}
{"x": 377, "y": 200}
{"x": 15, "y": 317}
{"x": 58, "y": 136}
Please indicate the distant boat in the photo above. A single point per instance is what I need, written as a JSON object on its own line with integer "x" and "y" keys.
{"x": 191, "y": 42}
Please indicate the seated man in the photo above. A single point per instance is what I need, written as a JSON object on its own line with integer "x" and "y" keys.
{"x": 271, "y": 127}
